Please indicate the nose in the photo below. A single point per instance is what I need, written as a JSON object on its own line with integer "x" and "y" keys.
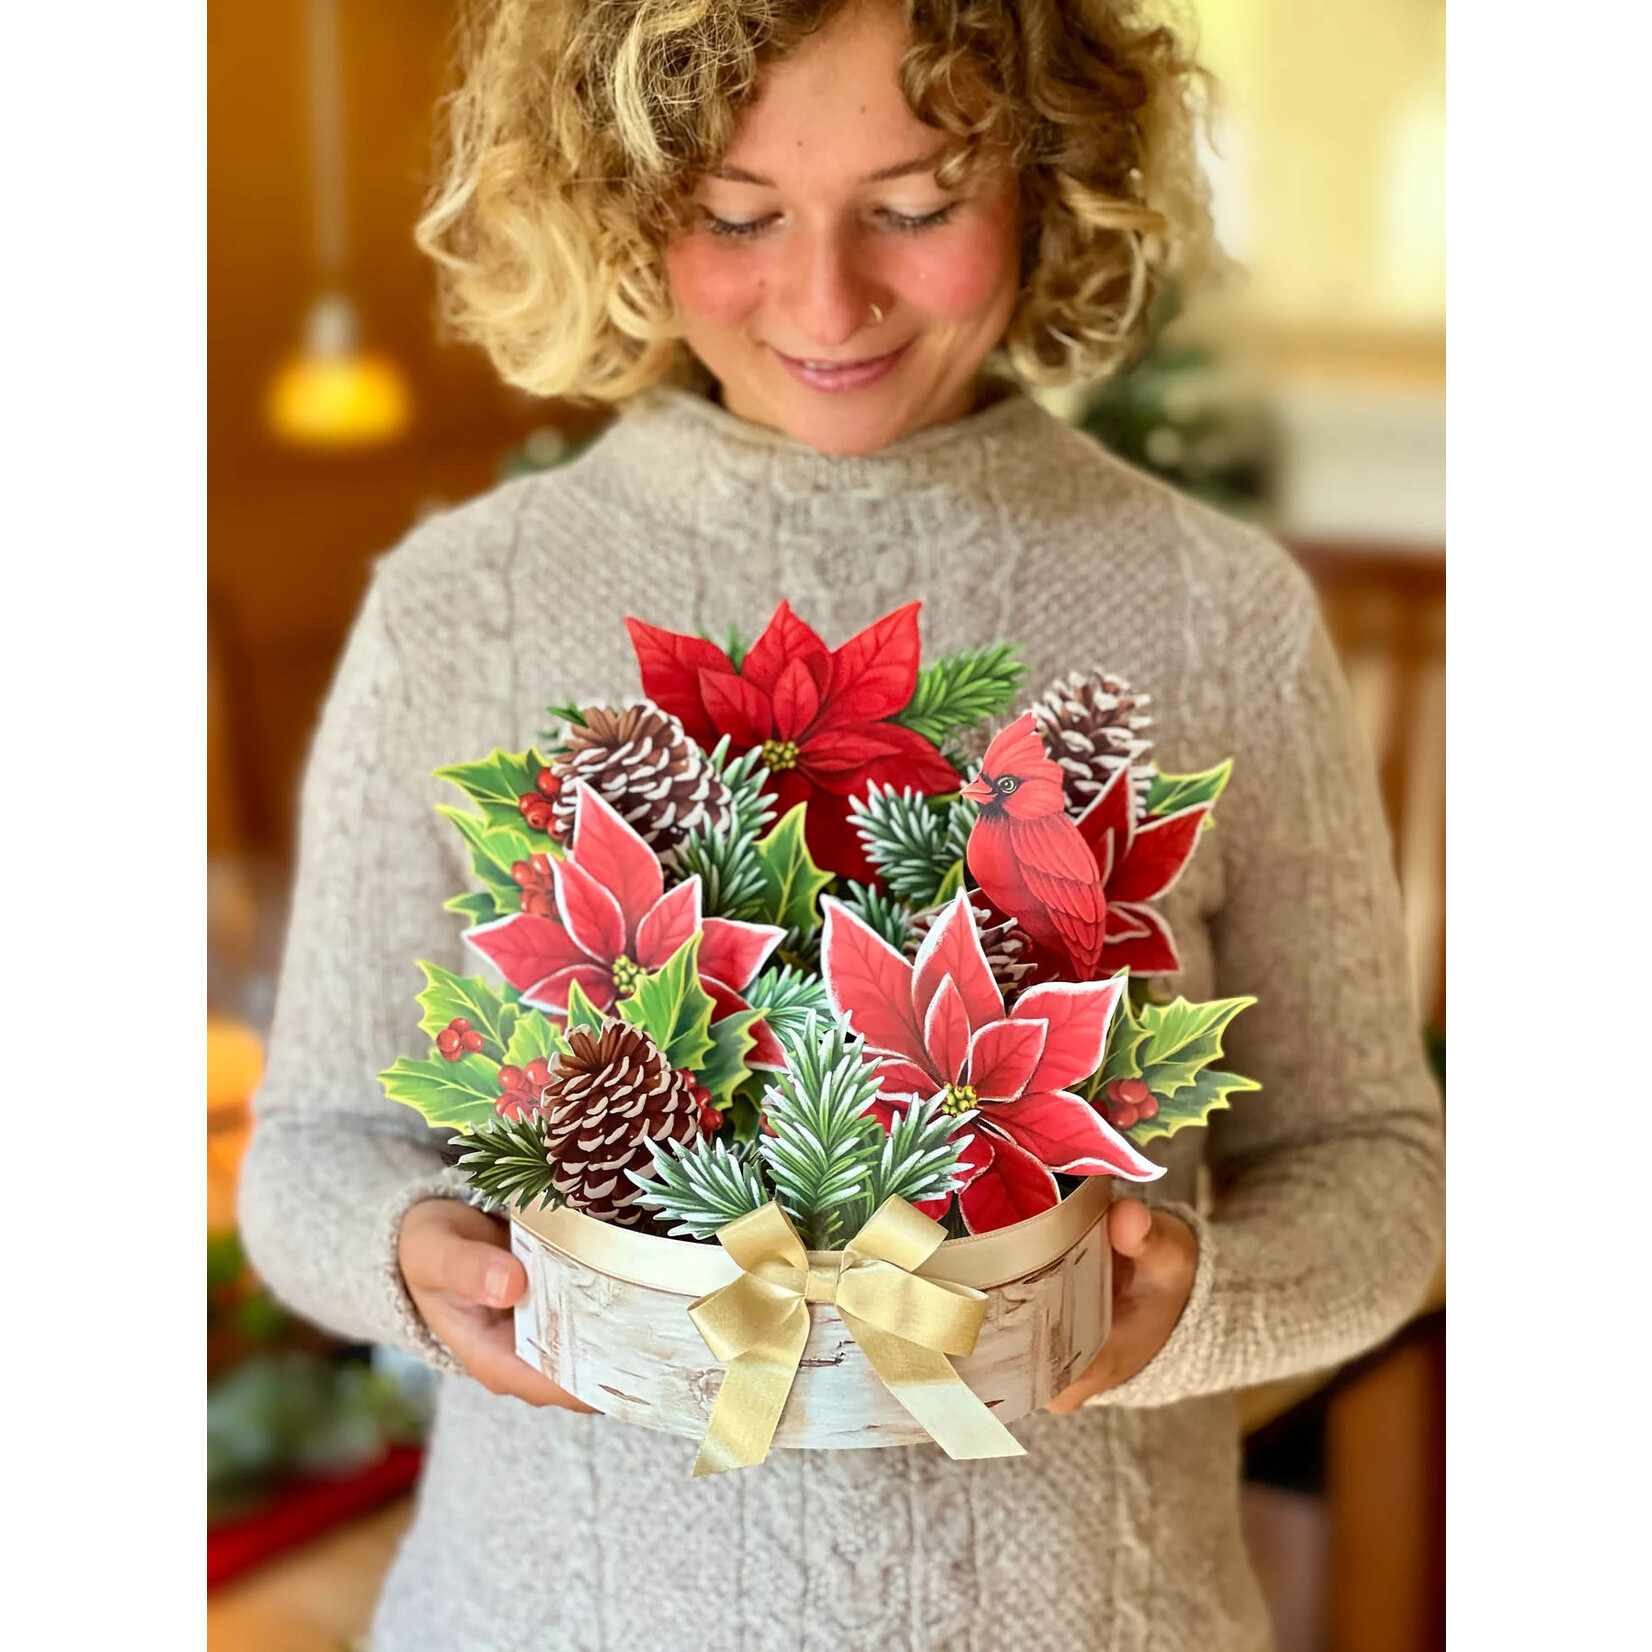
{"x": 827, "y": 296}
{"x": 978, "y": 791}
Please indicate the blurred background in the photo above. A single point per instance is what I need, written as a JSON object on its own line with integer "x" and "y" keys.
{"x": 1308, "y": 394}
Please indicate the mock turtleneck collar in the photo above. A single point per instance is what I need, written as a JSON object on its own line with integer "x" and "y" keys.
{"x": 698, "y": 457}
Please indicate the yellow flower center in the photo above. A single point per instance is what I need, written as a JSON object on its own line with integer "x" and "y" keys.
{"x": 959, "y": 1098}
{"x": 627, "y": 976}
{"x": 779, "y": 755}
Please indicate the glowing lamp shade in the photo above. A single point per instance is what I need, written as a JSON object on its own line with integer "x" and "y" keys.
{"x": 332, "y": 393}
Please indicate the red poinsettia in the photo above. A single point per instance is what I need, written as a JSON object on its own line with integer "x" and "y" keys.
{"x": 940, "y": 1028}
{"x": 1140, "y": 860}
{"x": 819, "y": 716}
{"x": 615, "y": 921}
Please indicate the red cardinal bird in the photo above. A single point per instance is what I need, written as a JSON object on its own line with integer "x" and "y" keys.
{"x": 1028, "y": 857}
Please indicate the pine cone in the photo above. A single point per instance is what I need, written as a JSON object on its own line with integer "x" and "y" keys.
{"x": 1092, "y": 725}
{"x": 608, "y": 1096}
{"x": 640, "y": 761}
{"x": 1002, "y": 939}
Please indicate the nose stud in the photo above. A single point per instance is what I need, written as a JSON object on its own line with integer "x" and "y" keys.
{"x": 877, "y": 313}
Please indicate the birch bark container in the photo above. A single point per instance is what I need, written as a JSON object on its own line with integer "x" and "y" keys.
{"x": 605, "y": 1316}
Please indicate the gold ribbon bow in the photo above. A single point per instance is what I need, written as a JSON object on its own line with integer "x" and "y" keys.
{"x": 905, "y": 1325}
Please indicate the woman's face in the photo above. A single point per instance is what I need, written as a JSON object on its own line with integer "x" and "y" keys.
{"x": 829, "y": 284}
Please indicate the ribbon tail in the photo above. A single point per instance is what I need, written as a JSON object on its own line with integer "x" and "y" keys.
{"x": 922, "y": 1379}
{"x": 748, "y": 1405}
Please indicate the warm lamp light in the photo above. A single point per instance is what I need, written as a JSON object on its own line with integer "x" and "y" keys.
{"x": 333, "y": 393}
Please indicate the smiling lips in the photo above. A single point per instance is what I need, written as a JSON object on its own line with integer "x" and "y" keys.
{"x": 849, "y": 375}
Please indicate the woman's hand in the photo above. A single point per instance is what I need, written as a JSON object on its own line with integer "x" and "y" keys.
{"x": 463, "y": 1280}
{"x": 1154, "y": 1258}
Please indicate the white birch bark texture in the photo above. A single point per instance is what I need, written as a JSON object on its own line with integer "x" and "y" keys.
{"x": 631, "y": 1350}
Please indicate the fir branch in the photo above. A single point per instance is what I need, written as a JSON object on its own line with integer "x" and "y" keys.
{"x": 701, "y": 1186}
{"x": 787, "y": 997}
{"x": 754, "y": 808}
{"x": 509, "y": 1162}
{"x": 963, "y": 689}
{"x": 729, "y": 868}
{"x": 882, "y": 913}
{"x": 914, "y": 841}
{"x": 824, "y": 1139}
{"x": 918, "y": 1159}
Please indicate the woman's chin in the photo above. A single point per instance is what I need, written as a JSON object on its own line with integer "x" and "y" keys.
{"x": 846, "y": 424}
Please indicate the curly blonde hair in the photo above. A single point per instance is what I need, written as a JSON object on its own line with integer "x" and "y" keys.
{"x": 580, "y": 127}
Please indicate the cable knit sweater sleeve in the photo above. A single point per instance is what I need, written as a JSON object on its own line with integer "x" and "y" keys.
{"x": 334, "y": 1165}
{"x": 1328, "y": 1212}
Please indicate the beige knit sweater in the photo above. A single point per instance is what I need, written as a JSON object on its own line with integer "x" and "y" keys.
{"x": 547, "y": 1530}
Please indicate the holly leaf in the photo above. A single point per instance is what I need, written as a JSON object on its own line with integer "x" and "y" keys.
{"x": 673, "y": 1008}
{"x": 536, "y": 1036}
{"x": 496, "y": 783}
{"x": 453, "y": 1095}
{"x": 1124, "y": 1041}
{"x": 581, "y": 1011}
{"x": 724, "y": 1068}
{"x": 478, "y": 907}
{"x": 1193, "y": 1104}
{"x": 447, "y": 996}
{"x": 1170, "y": 792}
{"x": 493, "y": 851}
{"x": 950, "y": 884}
{"x": 1181, "y": 1039}
{"x": 791, "y": 881}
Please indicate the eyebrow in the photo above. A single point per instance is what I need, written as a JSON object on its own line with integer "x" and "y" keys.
{"x": 902, "y": 169}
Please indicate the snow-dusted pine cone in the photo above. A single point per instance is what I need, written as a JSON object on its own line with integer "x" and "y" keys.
{"x": 640, "y": 761}
{"x": 1092, "y": 724}
{"x": 611, "y": 1094}
{"x": 1003, "y": 940}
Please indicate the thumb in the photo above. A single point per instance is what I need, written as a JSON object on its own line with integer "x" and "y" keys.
{"x": 438, "y": 1256}
{"x": 1129, "y": 1223}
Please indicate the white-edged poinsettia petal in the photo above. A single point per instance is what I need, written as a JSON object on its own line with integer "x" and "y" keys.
{"x": 591, "y": 915}
{"x": 551, "y": 994}
{"x": 616, "y": 857}
{"x": 525, "y": 948}
{"x": 869, "y": 983}
{"x": 1150, "y": 951}
{"x": 1078, "y": 1014}
{"x": 953, "y": 947}
{"x": 1003, "y": 1058}
{"x": 1066, "y": 1133}
{"x": 946, "y": 1031}
{"x": 1125, "y": 922}
{"x": 733, "y": 950}
{"x": 1011, "y": 1188}
{"x": 975, "y": 1154}
{"x": 905, "y": 1078}
{"x": 668, "y": 924}
{"x": 1159, "y": 854}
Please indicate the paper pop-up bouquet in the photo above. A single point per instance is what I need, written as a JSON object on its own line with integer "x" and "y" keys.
{"x": 818, "y": 1043}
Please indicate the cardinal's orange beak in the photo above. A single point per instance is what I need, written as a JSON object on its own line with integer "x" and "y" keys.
{"x": 979, "y": 792}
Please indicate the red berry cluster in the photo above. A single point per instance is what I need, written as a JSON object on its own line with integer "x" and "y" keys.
{"x": 536, "y": 805}
{"x": 457, "y": 1039}
{"x": 1129, "y": 1101}
{"x": 522, "y": 1088}
{"x": 711, "y": 1117}
{"x": 538, "y": 886}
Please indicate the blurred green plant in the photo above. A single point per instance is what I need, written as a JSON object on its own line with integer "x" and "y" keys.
{"x": 1173, "y": 413}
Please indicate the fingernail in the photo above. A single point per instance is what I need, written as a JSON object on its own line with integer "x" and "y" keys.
{"x": 498, "y": 1282}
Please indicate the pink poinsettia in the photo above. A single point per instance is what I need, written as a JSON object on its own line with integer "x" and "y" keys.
{"x": 616, "y": 921}
{"x": 1140, "y": 861}
{"x": 939, "y": 1027}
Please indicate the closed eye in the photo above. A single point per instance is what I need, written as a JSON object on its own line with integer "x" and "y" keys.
{"x": 736, "y": 229}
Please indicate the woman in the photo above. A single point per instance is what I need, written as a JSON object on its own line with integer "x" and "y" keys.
{"x": 791, "y": 237}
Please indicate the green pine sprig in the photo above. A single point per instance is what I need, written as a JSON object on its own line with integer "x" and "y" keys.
{"x": 882, "y": 913}
{"x": 701, "y": 1187}
{"x": 963, "y": 689}
{"x": 509, "y": 1162}
{"x": 918, "y": 1159}
{"x": 916, "y": 842}
{"x": 729, "y": 868}
{"x": 754, "y": 808}
{"x": 788, "y": 997}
